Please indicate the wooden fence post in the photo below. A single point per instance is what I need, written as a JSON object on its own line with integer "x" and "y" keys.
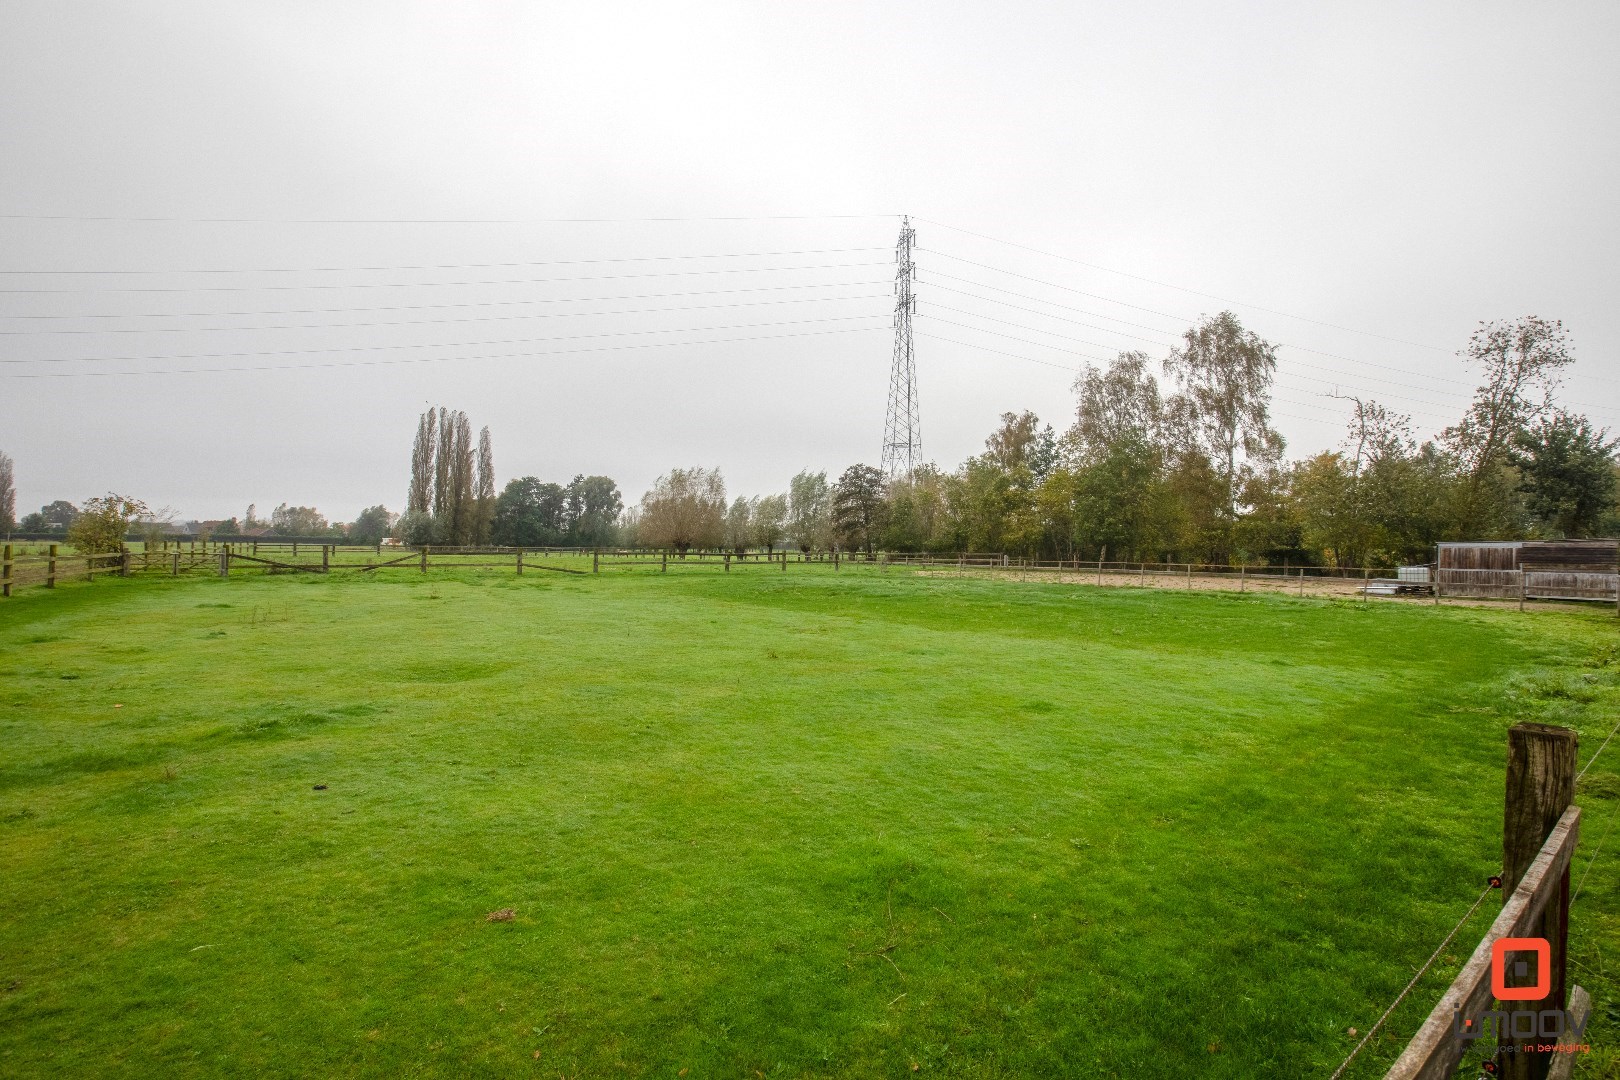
{"x": 728, "y": 562}
{"x": 663, "y": 564}
{"x": 295, "y": 549}
{"x": 326, "y": 558}
{"x": 175, "y": 555}
{"x": 224, "y": 564}
{"x": 1522, "y": 589}
{"x": 5, "y": 573}
{"x": 424, "y": 558}
{"x": 50, "y": 569}
{"x": 1540, "y": 787}
{"x": 784, "y": 561}
{"x": 124, "y": 569}
{"x": 1189, "y": 575}
{"x": 1099, "y": 564}
{"x": 520, "y": 562}
{"x": 1243, "y": 579}
{"x": 596, "y": 562}
{"x": 835, "y": 559}
{"x": 1302, "y": 581}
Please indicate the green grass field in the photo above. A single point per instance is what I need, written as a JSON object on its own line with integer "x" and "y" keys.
{"x": 758, "y": 824}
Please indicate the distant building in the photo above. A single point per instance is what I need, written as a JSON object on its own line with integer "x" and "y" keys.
{"x": 1534, "y": 569}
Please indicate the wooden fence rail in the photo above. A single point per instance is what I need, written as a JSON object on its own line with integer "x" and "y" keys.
{"x": 18, "y": 570}
{"x": 1540, "y": 831}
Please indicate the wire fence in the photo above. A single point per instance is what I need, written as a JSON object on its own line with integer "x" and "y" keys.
{"x": 35, "y": 564}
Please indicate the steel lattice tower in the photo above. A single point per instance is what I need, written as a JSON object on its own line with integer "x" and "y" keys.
{"x": 902, "y": 431}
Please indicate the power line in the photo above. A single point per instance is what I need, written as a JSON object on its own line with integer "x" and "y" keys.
{"x": 1059, "y": 318}
{"x": 437, "y": 284}
{"x": 1043, "y": 281}
{"x": 1342, "y": 380}
{"x": 1100, "y": 345}
{"x": 161, "y": 220}
{"x": 1180, "y": 318}
{"x": 427, "y": 345}
{"x": 1065, "y": 367}
{"x": 468, "y": 266}
{"x": 443, "y": 322}
{"x": 445, "y": 307}
{"x": 431, "y": 359}
{"x": 1181, "y": 288}
{"x": 1012, "y": 337}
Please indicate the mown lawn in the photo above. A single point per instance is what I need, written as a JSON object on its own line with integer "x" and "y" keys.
{"x": 757, "y": 824}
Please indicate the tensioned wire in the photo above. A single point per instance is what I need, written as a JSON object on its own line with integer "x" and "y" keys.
{"x": 443, "y": 322}
{"x": 434, "y": 359}
{"x": 1086, "y": 356}
{"x": 436, "y": 284}
{"x": 1451, "y": 381}
{"x": 1345, "y": 1064}
{"x": 1598, "y": 850}
{"x": 930, "y": 335}
{"x": 434, "y": 345}
{"x": 1100, "y": 345}
{"x": 433, "y": 307}
{"x": 466, "y": 266}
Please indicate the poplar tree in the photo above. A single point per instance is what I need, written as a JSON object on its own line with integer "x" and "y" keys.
{"x": 460, "y": 479}
{"x": 8, "y": 494}
{"x": 442, "y": 497}
{"x": 485, "y": 508}
{"x": 420, "y": 497}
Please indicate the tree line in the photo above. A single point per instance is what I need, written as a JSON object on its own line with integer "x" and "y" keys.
{"x": 1179, "y": 461}
{"x": 451, "y": 499}
{"x": 1174, "y": 461}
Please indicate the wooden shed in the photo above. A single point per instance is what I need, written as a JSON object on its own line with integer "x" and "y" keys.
{"x": 1535, "y": 569}
{"x": 1570, "y": 569}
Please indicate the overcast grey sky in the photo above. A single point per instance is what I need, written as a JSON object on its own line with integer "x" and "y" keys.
{"x": 1363, "y": 184}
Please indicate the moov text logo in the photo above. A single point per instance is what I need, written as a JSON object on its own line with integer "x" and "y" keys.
{"x": 1548, "y": 1024}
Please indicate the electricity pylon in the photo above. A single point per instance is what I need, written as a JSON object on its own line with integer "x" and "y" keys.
{"x": 902, "y": 431}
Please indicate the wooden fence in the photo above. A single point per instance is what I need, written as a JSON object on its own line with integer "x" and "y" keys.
{"x": 1528, "y": 583}
{"x": 1541, "y": 829}
{"x": 49, "y": 566}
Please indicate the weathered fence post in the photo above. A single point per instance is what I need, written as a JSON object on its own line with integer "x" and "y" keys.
{"x": 295, "y": 549}
{"x": 175, "y": 555}
{"x": 1302, "y": 581}
{"x": 124, "y": 568}
{"x": 520, "y": 562}
{"x": 5, "y": 573}
{"x": 424, "y": 558}
{"x": 326, "y": 558}
{"x": 1540, "y": 787}
{"x": 596, "y": 562}
{"x": 728, "y": 562}
{"x": 784, "y": 561}
{"x": 1100, "y": 556}
{"x": 224, "y": 563}
{"x": 835, "y": 559}
{"x": 1523, "y": 588}
{"x": 50, "y": 569}
{"x": 663, "y": 564}
{"x": 1189, "y": 575}
{"x": 1243, "y": 579}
